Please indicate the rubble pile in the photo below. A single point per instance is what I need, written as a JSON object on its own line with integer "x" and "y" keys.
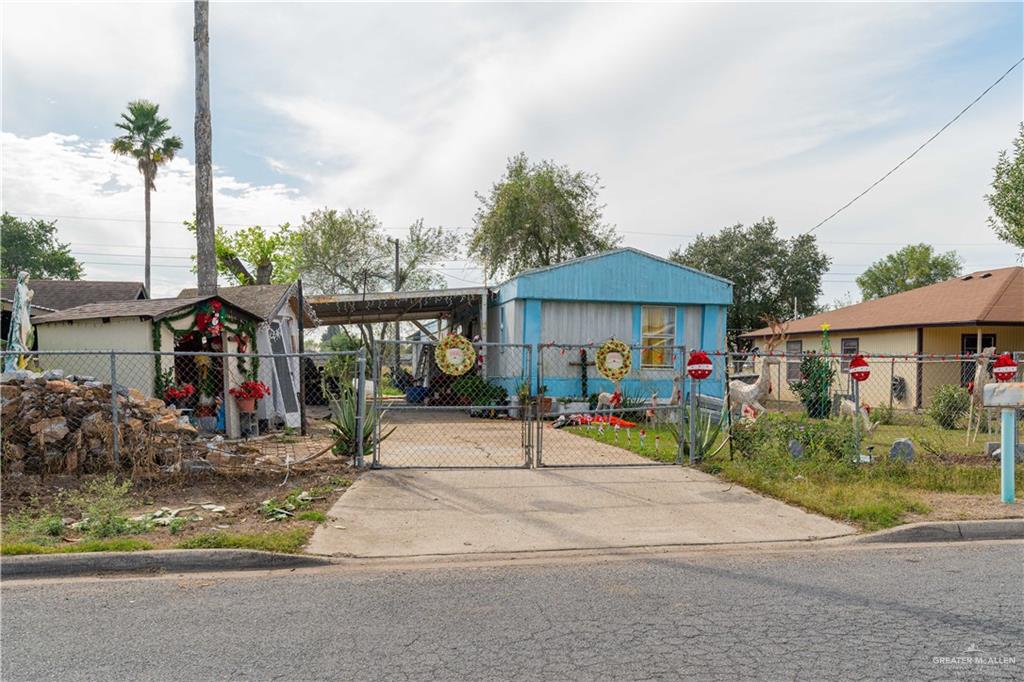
{"x": 53, "y": 423}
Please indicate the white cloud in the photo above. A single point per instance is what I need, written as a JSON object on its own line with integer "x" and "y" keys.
{"x": 62, "y": 175}
{"x": 695, "y": 116}
{"x": 121, "y": 50}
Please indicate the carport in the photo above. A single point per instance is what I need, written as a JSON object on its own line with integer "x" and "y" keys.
{"x": 463, "y": 310}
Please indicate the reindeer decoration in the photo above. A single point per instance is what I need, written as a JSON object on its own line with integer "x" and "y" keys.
{"x": 677, "y": 392}
{"x": 976, "y": 388}
{"x": 609, "y": 401}
{"x": 848, "y": 409}
{"x": 747, "y": 397}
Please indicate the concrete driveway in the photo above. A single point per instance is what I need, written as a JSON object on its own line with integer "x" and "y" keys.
{"x": 403, "y": 513}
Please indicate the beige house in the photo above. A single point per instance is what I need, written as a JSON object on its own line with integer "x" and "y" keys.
{"x": 957, "y": 317}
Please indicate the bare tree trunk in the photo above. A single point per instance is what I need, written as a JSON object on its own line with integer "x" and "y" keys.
{"x": 206, "y": 258}
{"x": 149, "y": 236}
{"x": 264, "y": 273}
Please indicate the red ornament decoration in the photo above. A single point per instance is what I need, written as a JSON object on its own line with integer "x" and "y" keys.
{"x": 859, "y": 369}
{"x": 699, "y": 366}
{"x": 1004, "y": 368}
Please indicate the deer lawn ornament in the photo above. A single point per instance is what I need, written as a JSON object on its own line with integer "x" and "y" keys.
{"x": 848, "y": 409}
{"x": 747, "y": 397}
{"x": 677, "y": 392}
{"x": 976, "y": 409}
{"x": 652, "y": 411}
{"x": 609, "y": 401}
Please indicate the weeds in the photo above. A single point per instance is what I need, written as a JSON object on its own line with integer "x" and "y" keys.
{"x": 287, "y": 541}
{"x": 296, "y": 501}
{"x": 115, "y": 545}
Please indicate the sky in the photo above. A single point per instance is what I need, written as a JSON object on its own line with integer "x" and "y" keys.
{"x": 695, "y": 117}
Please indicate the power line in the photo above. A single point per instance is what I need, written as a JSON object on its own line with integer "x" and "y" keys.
{"x": 923, "y": 145}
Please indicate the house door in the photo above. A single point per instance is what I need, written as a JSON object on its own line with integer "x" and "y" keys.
{"x": 969, "y": 346}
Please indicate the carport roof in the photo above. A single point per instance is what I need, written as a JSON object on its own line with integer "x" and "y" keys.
{"x": 393, "y": 306}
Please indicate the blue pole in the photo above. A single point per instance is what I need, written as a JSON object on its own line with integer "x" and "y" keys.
{"x": 1009, "y": 447}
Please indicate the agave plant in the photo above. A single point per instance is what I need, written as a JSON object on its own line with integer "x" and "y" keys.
{"x": 708, "y": 429}
{"x": 345, "y": 420}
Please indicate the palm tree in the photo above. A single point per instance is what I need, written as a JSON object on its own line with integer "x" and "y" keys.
{"x": 146, "y": 139}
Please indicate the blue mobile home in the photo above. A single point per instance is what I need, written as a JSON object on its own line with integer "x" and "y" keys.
{"x": 627, "y": 294}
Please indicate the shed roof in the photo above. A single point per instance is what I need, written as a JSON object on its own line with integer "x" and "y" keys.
{"x": 61, "y": 294}
{"x": 262, "y": 300}
{"x": 150, "y": 308}
{"x": 980, "y": 298}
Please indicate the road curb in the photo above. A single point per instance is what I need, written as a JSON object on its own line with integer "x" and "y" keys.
{"x": 951, "y": 531}
{"x": 36, "y": 566}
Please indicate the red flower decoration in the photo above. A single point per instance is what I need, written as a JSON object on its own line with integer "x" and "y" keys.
{"x": 250, "y": 390}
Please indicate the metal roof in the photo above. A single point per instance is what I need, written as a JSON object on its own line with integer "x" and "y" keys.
{"x": 393, "y": 306}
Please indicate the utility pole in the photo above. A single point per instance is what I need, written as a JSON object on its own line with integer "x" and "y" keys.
{"x": 398, "y": 333}
{"x": 206, "y": 259}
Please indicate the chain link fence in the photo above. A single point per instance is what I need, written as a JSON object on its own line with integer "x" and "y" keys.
{"x": 146, "y": 413}
{"x": 429, "y": 417}
{"x": 585, "y": 418}
{"x": 908, "y": 404}
{"x": 73, "y": 412}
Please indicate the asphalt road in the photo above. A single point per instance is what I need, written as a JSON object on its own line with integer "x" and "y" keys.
{"x": 895, "y": 613}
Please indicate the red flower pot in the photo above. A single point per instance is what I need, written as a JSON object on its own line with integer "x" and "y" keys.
{"x": 246, "y": 404}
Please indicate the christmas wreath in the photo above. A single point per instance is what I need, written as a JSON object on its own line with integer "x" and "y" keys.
{"x": 614, "y": 359}
{"x": 455, "y": 354}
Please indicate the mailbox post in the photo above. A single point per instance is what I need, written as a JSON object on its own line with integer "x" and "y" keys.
{"x": 1009, "y": 397}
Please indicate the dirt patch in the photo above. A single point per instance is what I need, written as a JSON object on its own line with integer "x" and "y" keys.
{"x": 241, "y": 498}
{"x": 957, "y": 507}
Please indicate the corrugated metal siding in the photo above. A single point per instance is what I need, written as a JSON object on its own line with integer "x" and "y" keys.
{"x": 577, "y": 322}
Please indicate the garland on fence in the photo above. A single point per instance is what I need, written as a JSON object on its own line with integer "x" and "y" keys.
{"x": 614, "y": 359}
{"x": 455, "y": 355}
{"x": 209, "y": 319}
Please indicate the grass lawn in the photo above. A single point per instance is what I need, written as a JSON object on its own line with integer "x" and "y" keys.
{"x": 659, "y": 445}
{"x": 874, "y": 496}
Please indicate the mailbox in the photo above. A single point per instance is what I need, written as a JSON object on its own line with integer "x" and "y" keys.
{"x": 1006, "y": 394}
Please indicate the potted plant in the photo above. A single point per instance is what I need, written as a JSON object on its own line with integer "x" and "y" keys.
{"x": 248, "y": 393}
{"x": 175, "y": 396}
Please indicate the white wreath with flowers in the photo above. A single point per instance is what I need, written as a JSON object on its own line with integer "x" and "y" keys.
{"x": 614, "y": 359}
{"x": 455, "y": 355}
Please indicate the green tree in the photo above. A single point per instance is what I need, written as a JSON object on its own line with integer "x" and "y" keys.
{"x": 348, "y": 252}
{"x": 539, "y": 214}
{"x": 768, "y": 272}
{"x": 913, "y": 266}
{"x": 253, "y": 255}
{"x": 32, "y": 246}
{"x": 1007, "y": 197}
{"x": 147, "y": 140}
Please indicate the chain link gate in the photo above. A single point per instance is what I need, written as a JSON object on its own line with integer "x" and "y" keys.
{"x": 426, "y": 418}
{"x": 582, "y": 422}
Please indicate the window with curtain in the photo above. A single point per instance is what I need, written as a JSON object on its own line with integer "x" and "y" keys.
{"x": 658, "y": 333}
{"x": 848, "y": 348}
{"x": 794, "y": 351}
